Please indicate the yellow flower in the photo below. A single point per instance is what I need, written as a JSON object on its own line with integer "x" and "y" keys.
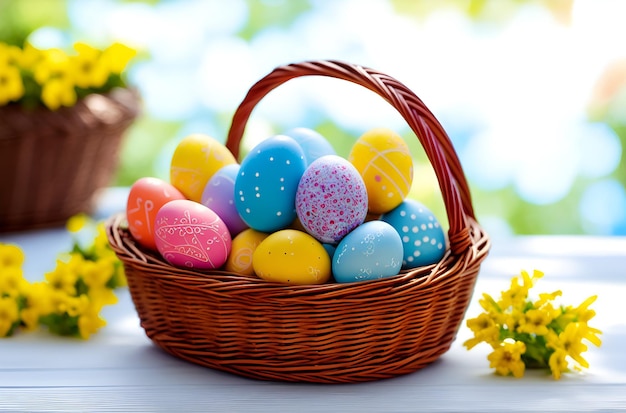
{"x": 11, "y": 85}
{"x": 11, "y": 256}
{"x": 29, "y": 57}
{"x": 512, "y": 319}
{"x": 507, "y": 359}
{"x": 533, "y": 333}
{"x": 489, "y": 304}
{"x": 101, "y": 242}
{"x": 558, "y": 363}
{"x": 9, "y": 54}
{"x": 89, "y": 323}
{"x": 570, "y": 341}
{"x": 12, "y": 282}
{"x": 592, "y": 334}
{"x": 96, "y": 274}
{"x": 117, "y": 57}
{"x": 77, "y": 222}
{"x": 90, "y": 70}
{"x": 63, "y": 278}
{"x": 36, "y": 304}
{"x": 57, "y": 78}
{"x": 102, "y": 296}
{"x": 58, "y": 300}
{"x": 515, "y": 296}
{"x": 58, "y": 92}
{"x": 77, "y": 305}
{"x": 546, "y": 299}
{"x": 9, "y": 315}
{"x": 582, "y": 312}
{"x": 485, "y": 329}
{"x": 53, "y": 63}
{"x": 535, "y": 322}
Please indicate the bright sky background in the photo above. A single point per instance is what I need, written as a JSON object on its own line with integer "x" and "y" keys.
{"x": 513, "y": 96}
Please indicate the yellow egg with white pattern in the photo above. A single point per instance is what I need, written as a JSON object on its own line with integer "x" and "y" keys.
{"x": 384, "y": 161}
{"x": 242, "y": 248}
{"x": 196, "y": 158}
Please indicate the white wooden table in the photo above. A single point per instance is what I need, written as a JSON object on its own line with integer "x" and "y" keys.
{"x": 119, "y": 369}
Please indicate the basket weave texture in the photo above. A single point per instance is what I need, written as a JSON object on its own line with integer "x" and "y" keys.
{"x": 331, "y": 333}
{"x": 53, "y": 162}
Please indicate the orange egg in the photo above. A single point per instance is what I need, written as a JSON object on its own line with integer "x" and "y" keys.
{"x": 147, "y": 195}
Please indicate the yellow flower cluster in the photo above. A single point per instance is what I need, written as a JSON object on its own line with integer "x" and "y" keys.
{"x": 55, "y": 78}
{"x": 69, "y": 300}
{"x": 533, "y": 334}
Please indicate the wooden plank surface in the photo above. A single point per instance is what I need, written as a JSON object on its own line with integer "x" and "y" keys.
{"x": 120, "y": 370}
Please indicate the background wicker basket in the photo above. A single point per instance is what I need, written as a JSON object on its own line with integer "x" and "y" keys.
{"x": 53, "y": 162}
{"x": 328, "y": 333}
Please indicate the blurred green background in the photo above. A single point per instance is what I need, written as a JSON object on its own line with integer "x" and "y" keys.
{"x": 532, "y": 93}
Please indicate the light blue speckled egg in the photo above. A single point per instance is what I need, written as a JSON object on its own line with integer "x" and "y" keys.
{"x": 313, "y": 144}
{"x": 423, "y": 238}
{"x": 265, "y": 188}
{"x": 371, "y": 251}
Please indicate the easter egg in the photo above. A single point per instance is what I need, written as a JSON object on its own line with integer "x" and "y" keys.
{"x": 384, "y": 161}
{"x": 313, "y": 144}
{"x": 219, "y": 195}
{"x": 331, "y": 199}
{"x": 372, "y": 251}
{"x": 291, "y": 257}
{"x": 188, "y": 234}
{"x": 265, "y": 188}
{"x": 242, "y": 249}
{"x": 196, "y": 158}
{"x": 145, "y": 198}
{"x": 423, "y": 239}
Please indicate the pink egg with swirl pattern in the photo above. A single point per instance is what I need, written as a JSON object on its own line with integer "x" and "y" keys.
{"x": 331, "y": 199}
{"x": 190, "y": 235}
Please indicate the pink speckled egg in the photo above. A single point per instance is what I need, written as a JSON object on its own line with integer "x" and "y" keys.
{"x": 188, "y": 234}
{"x": 331, "y": 199}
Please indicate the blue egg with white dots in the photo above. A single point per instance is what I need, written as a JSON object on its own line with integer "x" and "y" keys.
{"x": 265, "y": 188}
{"x": 423, "y": 239}
{"x": 313, "y": 143}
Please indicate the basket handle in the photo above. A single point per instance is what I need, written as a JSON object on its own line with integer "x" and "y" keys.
{"x": 434, "y": 139}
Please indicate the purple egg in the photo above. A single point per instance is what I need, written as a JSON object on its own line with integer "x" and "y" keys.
{"x": 219, "y": 194}
{"x": 331, "y": 199}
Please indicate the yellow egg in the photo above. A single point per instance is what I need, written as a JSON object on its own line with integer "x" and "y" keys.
{"x": 196, "y": 158}
{"x": 384, "y": 161}
{"x": 242, "y": 248}
{"x": 292, "y": 257}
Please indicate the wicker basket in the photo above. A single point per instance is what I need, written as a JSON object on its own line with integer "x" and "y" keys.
{"x": 328, "y": 333}
{"x": 53, "y": 162}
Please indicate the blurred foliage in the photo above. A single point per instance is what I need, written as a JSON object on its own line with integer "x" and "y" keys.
{"x": 20, "y": 18}
{"x": 272, "y": 13}
{"x": 151, "y": 138}
{"x": 494, "y": 11}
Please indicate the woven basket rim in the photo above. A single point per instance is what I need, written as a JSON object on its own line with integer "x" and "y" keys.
{"x": 125, "y": 100}
{"x": 132, "y": 253}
